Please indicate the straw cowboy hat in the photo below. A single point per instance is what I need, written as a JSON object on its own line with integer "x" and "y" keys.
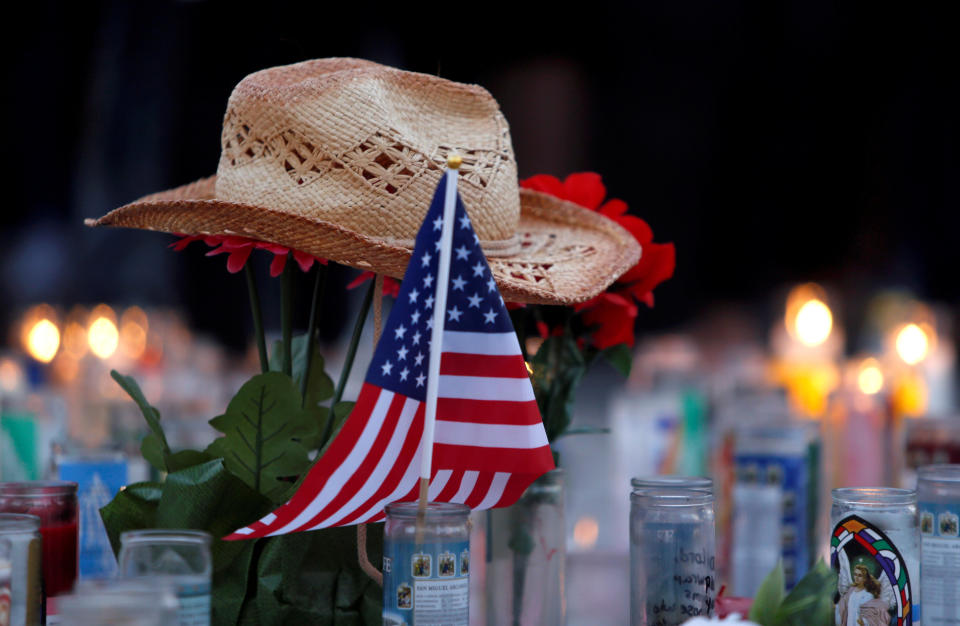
{"x": 339, "y": 158}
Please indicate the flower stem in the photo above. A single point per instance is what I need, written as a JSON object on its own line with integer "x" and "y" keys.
{"x": 348, "y": 363}
{"x": 286, "y": 315}
{"x": 315, "y": 312}
{"x": 257, "y": 318}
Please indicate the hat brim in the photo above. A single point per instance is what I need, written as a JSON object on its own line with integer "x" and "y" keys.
{"x": 568, "y": 254}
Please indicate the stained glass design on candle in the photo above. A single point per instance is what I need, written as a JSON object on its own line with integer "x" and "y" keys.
{"x": 869, "y": 564}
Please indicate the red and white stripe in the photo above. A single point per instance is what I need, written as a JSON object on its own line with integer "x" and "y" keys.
{"x": 489, "y": 444}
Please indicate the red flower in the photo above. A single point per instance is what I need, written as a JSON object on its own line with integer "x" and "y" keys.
{"x": 239, "y": 249}
{"x": 657, "y": 261}
{"x": 613, "y": 315}
{"x": 391, "y": 287}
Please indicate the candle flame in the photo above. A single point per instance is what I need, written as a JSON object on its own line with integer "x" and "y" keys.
{"x": 43, "y": 340}
{"x": 870, "y": 377}
{"x": 912, "y": 344}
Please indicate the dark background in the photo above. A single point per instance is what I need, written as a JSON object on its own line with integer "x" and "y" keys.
{"x": 773, "y": 142}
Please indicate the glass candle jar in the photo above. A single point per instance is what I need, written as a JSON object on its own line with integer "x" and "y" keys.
{"x": 426, "y": 570}
{"x": 672, "y": 482}
{"x": 938, "y": 501}
{"x": 120, "y": 603}
{"x": 874, "y": 550}
{"x": 55, "y": 503}
{"x": 178, "y": 558}
{"x": 21, "y": 597}
{"x": 672, "y": 561}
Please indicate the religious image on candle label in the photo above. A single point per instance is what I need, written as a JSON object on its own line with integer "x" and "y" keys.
{"x": 464, "y": 563}
{"x": 404, "y": 596}
{"x": 447, "y": 564}
{"x": 873, "y": 585}
{"x": 948, "y": 524}
{"x": 420, "y": 565}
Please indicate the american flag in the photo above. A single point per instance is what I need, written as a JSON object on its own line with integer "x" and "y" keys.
{"x": 489, "y": 440}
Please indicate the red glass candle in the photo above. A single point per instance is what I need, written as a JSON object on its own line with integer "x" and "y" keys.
{"x": 55, "y": 503}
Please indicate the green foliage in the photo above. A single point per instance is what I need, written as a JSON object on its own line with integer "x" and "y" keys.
{"x": 768, "y": 598}
{"x": 305, "y": 578}
{"x": 264, "y": 428}
{"x": 620, "y": 357}
{"x": 809, "y": 603}
{"x": 320, "y": 385}
{"x": 558, "y": 366}
{"x": 154, "y": 446}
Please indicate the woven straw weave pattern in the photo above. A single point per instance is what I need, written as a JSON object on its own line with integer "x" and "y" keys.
{"x": 323, "y": 139}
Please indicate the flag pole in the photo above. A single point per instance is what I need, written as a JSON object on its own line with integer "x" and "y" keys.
{"x": 436, "y": 337}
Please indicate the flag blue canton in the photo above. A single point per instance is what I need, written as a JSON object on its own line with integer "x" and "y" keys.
{"x": 474, "y": 303}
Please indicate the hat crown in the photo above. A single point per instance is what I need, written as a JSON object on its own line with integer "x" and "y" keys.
{"x": 363, "y": 146}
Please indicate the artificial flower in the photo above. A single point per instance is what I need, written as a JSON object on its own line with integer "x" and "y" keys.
{"x": 239, "y": 249}
{"x": 657, "y": 261}
{"x": 613, "y": 315}
{"x": 391, "y": 286}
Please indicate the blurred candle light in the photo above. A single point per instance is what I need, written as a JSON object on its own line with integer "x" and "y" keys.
{"x": 912, "y": 344}
{"x": 102, "y": 335}
{"x": 133, "y": 332}
{"x": 11, "y": 376}
{"x": 43, "y": 340}
{"x": 814, "y": 322}
{"x": 585, "y": 532}
{"x": 870, "y": 377}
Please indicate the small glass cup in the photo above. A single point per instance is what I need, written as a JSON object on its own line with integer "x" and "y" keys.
{"x": 426, "y": 565}
{"x": 179, "y": 558}
{"x": 55, "y": 503}
{"x": 672, "y": 556}
{"x": 21, "y": 596}
{"x": 874, "y": 548}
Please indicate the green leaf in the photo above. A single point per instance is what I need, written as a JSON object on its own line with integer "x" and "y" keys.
{"x": 620, "y": 357}
{"x": 132, "y": 508}
{"x": 156, "y": 450}
{"x": 151, "y": 448}
{"x": 314, "y": 578}
{"x": 208, "y": 497}
{"x": 320, "y": 385}
{"x": 768, "y": 598}
{"x": 186, "y": 458}
{"x": 264, "y": 429}
{"x": 811, "y": 599}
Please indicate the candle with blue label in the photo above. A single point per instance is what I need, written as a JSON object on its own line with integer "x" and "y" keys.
{"x": 426, "y": 570}
{"x": 938, "y": 504}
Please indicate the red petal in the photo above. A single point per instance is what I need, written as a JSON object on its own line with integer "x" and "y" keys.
{"x": 217, "y": 251}
{"x": 184, "y": 241}
{"x": 545, "y": 183}
{"x": 640, "y": 230}
{"x": 279, "y": 262}
{"x": 271, "y": 247}
{"x": 304, "y": 260}
{"x": 657, "y": 264}
{"x": 613, "y": 315}
{"x": 542, "y": 329}
{"x": 238, "y": 259}
{"x": 359, "y": 280}
{"x": 513, "y": 306}
{"x": 613, "y": 208}
{"x": 585, "y": 188}
{"x": 391, "y": 287}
